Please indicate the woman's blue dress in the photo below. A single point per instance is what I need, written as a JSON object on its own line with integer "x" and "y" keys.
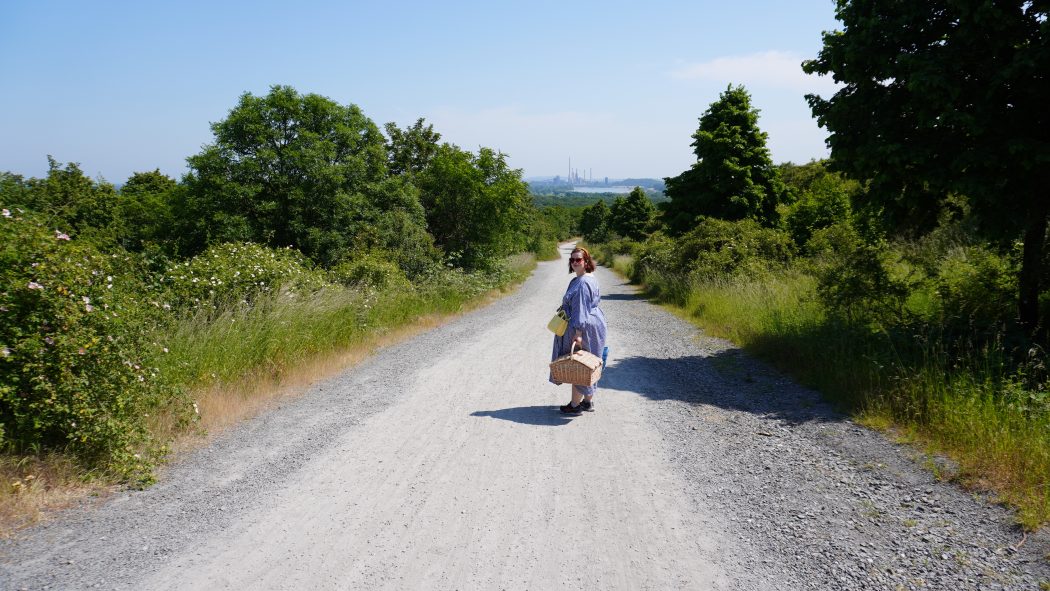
{"x": 581, "y": 304}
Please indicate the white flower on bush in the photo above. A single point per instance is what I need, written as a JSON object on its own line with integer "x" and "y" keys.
{"x": 5, "y": 352}
{"x": 35, "y": 285}
{"x": 89, "y": 308}
{"x": 61, "y": 235}
{"x": 7, "y": 213}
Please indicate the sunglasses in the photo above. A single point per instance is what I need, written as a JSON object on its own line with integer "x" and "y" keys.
{"x": 575, "y": 260}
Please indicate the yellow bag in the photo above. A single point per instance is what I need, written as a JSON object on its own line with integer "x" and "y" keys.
{"x": 559, "y": 323}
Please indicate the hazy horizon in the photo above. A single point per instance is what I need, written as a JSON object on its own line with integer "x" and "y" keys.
{"x": 618, "y": 89}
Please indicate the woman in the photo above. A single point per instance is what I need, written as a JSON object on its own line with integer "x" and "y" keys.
{"x": 586, "y": 324}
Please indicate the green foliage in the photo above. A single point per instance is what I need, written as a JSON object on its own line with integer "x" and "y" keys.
{"x": 67, "y": 198}
{"x": 373, "y": 270}
{"x": 921, "y": 113}
{"x": 595, "y": 222}
{"x": 76, "y": 364}
{"x": 733, "y": 177}
{"x": 714, "y": 249}
{"x": 855, "y": 279}
{"x": 632, "y": 217}
{"x": 975, "y": 287}
{"x": 237, "y": 272}
{"x": 656, "y": 264}
{"x": 477, "y": 208}
{"x": 958, "y": 390}
{"x": 545, "y": 228}
{"x": 300, "y": 171}
{"x": 409, "y": 151}
{"x": 717, "y": 248}
{"x": 825, "y": 201}
{"x": 144, "y": 211}
{"x": 562, "y": 221}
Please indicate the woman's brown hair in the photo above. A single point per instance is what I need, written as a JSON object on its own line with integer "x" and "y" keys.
{"x": 588, "y": 262}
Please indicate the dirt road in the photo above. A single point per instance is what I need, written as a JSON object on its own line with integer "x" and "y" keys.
{"x": 443, "y": 463}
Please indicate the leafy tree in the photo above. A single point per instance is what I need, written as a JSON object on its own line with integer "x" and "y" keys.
{"x": 68, "y": 199}
{"x": 631, "y": 217}
{"x": 477, "y": 208}
{"x": 594, "y": 223}
{"x": 733, "y": 177}
{"x": 824, "y": 201}
{"x": 563, "y": 221}
{"x": 145, "y": 210}
{"x": 410, "y": 150}
{"x": 298, "y": 170}
{"x": 942, "y": 97}
{"x": 13, "y": 189}
{"x": 798, "y": 178}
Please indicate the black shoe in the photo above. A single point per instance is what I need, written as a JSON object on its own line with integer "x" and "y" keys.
{"x": 571, "y": 410}
{"x": 587, "y": 406}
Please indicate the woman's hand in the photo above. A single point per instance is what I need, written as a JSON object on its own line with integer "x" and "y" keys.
{"x": 579, "y": 341}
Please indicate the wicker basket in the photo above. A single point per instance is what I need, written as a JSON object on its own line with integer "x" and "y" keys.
{"x": 578, "y": 368}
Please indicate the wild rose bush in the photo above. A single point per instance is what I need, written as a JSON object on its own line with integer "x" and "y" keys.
{"x": 237, "y": 273}
{"x": 75, "y": 352}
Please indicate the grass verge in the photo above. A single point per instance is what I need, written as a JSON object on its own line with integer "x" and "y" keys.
{"x": 960, "y": 403}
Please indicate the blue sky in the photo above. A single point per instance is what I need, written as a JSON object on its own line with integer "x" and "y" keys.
{"x": 121, "y": 87}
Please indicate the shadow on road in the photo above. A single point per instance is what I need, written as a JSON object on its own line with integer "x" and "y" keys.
{"x": 544, "y": 416}
{"x": 626, "y": 297}
{"x": 728, "y": 379}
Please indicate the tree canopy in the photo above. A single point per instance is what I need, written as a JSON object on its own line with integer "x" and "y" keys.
{"x": 733, "y": 177}
{"x": 411, "y": 149}
{"x": 477, "y": 207}
{"x": 302, "y": 171}
{"x": 946, "y": 97}
{"x": 631, "y": 216}
{"x": 594, "y": 222}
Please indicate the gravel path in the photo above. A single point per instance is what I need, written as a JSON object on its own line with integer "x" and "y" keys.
{"x": 443, "y": 463}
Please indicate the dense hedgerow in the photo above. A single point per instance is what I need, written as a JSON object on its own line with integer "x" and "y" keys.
{"x": 373, "y": 270}
{"x": 76, "y": 358}
{"x": 237, "y": 272}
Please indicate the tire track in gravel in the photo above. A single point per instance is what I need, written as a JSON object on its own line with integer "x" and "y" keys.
{"x": 442, "y": 463}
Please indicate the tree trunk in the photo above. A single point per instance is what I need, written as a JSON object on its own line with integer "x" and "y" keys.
{"x": 1031, "y": 270}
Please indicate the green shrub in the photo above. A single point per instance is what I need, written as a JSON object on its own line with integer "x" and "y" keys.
{"x": 976, "y": 286}
{"x": 237, "y": 272}
{"x": 855, "y": 278}
{"x": 718, "y": 248}
{"x": 374, "y": 270}
{"x": 76, "y": 364}
{"x": 825, "y": 202}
